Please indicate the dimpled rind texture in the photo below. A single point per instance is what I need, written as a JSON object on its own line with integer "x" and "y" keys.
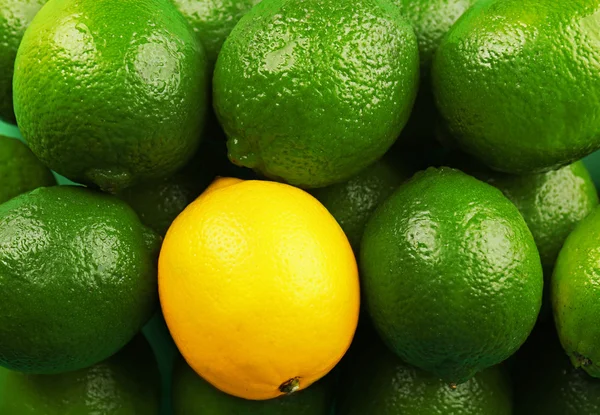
{"x": 158, "y": 204}
{"x": 378, "y": 382}
{"x": 77, "y": 278}
{"x": 352, "y": 202}
{"x": 431, "y": 20}
{"x": 20, "y": 169}
{"x": 312, "y": 92}
{"x": 213, "y": 20}
{"x": 518, "y": 85}
{"x": 258, "y": 285}
{"x": 451, "y": 275}
{"x": 547, "y": 382}
{"x": 575, "y": 293}
{"x": 104, "y": 97}
{"x": 128, "y": 383}
{"x": 15, "y": 16}
{"x": 194, "y": 395}
{"x": 551, "y": 203}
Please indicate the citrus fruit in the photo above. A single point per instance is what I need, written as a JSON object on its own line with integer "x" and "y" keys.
{"x": 531, "y": 100}
{"x": 128, "y": 383}
{"x": 575, "y": 293}
{"x": 547, "y": 382}
{"x": 313, "y": 92}
{"x": 375, "y": 381}
{"x": 192, "y": 395}
{"x": 77, "y": 278}
{"x": 431, "y": 20}
{"x": 105, "y": 98}
{"x": 15, "y": 16}
{"x": 451, "y": 275}
{"x": 20, "y": 170}
{"x": 159, "y": 202}
{"x": 213, "y": 20}
{"x": 551, "y": 203}
{"x": 259, "y": 287}
{"x": 352, "y": 202}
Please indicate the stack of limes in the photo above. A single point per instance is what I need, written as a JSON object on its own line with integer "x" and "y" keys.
{"x": 327, "y": 207}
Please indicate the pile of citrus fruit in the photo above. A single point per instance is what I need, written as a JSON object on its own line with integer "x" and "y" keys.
{"x": 299, "y": 207}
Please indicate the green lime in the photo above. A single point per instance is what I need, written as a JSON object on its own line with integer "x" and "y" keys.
{"x": 551, "y": 203}
{"x": 375, "y": 381}
{"x": 159, "y": 202}
{"x": 192, "y": 395}
{"x": 312, "y": 92}
{"x": 128, "y": 383}
{"x": 575, "y": 293}
{"x": 352, "y": 202}
{"x": 213, "y": 152}
{"x": 104, "y": 97}
{"x": 213, "y": 20}
{"x": 77, "y": 278}
{"x": 431, "y": 20}
{"x": 450, "y": 274}
{"x": 547, "y": 383}
{"x": 516, "y": 82}
{"x": 20, "y": 170}
{"x": 15, "y": 16}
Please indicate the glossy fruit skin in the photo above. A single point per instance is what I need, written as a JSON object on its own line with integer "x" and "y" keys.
{"x": 311, "y": 93}
{"x": 259, "y": 287}
{"x": 192, "y": 395}
{"x": 20, "y": 170}
{"x": 546, "y": 381}
{"x": 127, "y": 383}
{"x": 431, "y": 20}
{"x": 77, "y": 278}
{"x": 213, "y": 20}
{"x": 15, "y": 16}
{"x": 510, "y": 52}
{"x": 575, "y": 295}
{"x": 450, "y": 274}
{"x": 352, "y": 202}
{"x": 551, "y": 203}
{"x": 159, "y": 202}
{"x": 375, "y": 381}
{"x": 104, "y": 98}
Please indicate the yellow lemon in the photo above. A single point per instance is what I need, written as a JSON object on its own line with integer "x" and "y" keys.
{"x": 259, "y": 288}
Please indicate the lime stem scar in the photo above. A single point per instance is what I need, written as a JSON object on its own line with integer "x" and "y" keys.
{"x": 582, "y": 360}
